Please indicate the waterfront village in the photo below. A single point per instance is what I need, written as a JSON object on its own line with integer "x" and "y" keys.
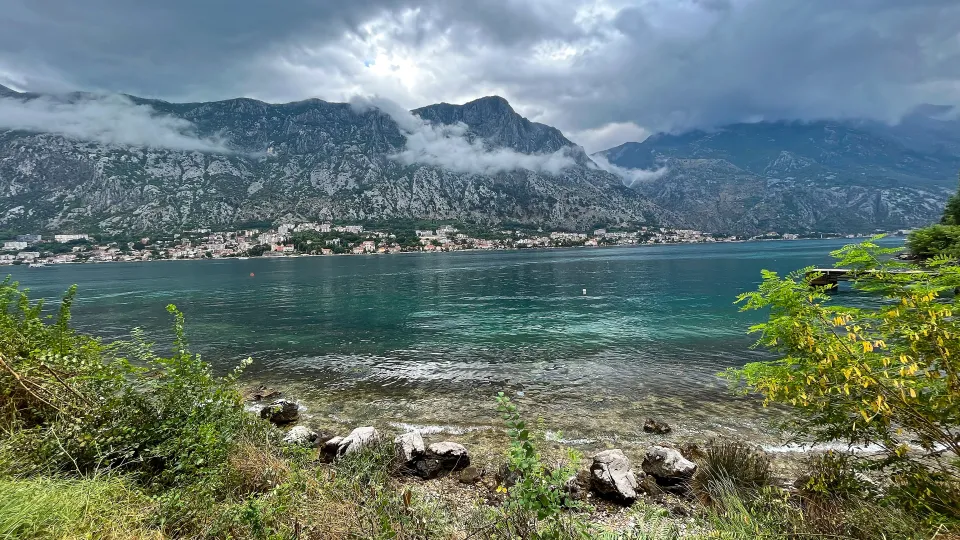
{"x": 301, "y": 239}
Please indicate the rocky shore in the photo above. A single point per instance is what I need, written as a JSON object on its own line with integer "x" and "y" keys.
{"x": 610, "y": 480}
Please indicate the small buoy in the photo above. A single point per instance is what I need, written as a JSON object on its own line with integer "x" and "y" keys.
{"x": 251, "y": 274}
{"x": 584, "y": 292}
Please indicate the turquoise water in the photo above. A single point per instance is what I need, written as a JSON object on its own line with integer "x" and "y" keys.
{"x": 429, "y": 338}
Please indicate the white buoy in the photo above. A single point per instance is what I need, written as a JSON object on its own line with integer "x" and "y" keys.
{"x": 584, "y": 292}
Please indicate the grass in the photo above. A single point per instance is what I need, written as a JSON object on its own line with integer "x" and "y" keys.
{"x": 67, "y": 508}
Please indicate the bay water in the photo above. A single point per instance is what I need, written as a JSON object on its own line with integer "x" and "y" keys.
{"x": 592, "y": 341}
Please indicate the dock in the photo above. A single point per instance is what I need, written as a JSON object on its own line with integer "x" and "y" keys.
{"x": 833, "y": 276}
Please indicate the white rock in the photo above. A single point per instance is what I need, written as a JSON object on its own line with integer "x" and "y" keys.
{"x": 301, "y": 436}
{"x": 409, "y": 446}
{"x": 667, "y": 465}
{"x": 611, "y": 476}
{"x": 358, "y": 439}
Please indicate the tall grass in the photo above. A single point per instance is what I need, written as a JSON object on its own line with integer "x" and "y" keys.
{"x": 66, "y": 508}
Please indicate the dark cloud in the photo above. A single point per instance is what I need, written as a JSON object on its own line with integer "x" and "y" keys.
{"x": 595, "y": 67}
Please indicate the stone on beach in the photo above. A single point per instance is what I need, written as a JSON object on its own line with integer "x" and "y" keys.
{"x": 409, "y": 447}
{"x": 667, "y": 465}
{"x": 301, "y": 436}
{"x": 612, "y": 477}
{"x": 358, "y": 439}
{"x": 281, "y": 411}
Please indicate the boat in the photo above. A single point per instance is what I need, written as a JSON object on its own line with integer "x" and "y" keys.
{"x": 37, "y": 265}
{"x": 242, "y": 258}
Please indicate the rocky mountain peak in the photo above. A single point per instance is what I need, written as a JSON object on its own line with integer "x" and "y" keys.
{"x": 7, "y": 92}
{"x": 494, "y": 120}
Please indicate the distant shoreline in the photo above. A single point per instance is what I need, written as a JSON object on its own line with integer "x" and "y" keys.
{"x": 445, "y": 252}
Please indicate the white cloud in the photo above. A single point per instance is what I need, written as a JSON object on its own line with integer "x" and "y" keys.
{"x": 108, "y": 119}
{"x": 452, "y": 148}
{"x": 630, "y": 177}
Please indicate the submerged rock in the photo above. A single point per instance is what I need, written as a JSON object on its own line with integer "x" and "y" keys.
{"x": 262, "y": 393}
{"x": 301, "y": 436}
{"x": 281, "y": 411}
{"x": 358, "y": 439}
{"x": 612, "y": 477}
{"x": 654, "y": 426}
{"x": 667, "y": 465}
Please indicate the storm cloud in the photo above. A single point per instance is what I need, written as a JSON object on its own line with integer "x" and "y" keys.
{"x": 606, "y": 70}
{"x": 109, "y": 119}
{"x": 450, "y": 146}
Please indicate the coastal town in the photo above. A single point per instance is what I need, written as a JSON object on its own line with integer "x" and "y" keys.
{"x": 307, "y": 239}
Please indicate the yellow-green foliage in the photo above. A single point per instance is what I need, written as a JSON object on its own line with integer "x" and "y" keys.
{"x": 886, "y": 372}
{"x": 51, "y": 508}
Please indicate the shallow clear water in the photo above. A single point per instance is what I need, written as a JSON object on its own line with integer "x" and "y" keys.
{"x": 430, "y": 338}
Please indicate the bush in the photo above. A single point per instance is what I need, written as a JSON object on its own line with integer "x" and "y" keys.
{"x": 535, "y": 504}
{"x": 935, "y": 240}
{"x": 729, "y": 465}
{"x": 885, "y": 373}
{"x": 73, "y": 404}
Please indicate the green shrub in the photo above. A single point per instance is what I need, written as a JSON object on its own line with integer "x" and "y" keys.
{"x": 730, "y": 465}
{"x": 830, "y": 475}
{"x": 883, "y": 372}
{"x": 76, "y": 405}
{"x": 935, "y": 240}
{"x": 535, "y": 505}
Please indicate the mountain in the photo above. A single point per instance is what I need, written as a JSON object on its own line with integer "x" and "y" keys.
{"x": 853, "y": 176}
{"x": 307, "y": 160}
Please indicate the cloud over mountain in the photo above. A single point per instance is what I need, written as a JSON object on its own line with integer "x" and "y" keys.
{"x": 108, "y": 119}
{"x": 452, "y": 148}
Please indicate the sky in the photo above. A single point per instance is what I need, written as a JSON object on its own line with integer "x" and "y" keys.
{"x": 603, "y": 71}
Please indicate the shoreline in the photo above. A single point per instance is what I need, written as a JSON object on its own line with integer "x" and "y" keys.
{"x": 437, "y": 252}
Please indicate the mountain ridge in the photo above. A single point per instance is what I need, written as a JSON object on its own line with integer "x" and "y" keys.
{"x": 836, "y": 176}
{"x": 306, "y": 160}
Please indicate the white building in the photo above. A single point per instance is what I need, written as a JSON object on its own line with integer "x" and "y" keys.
{"x": 28, "y": 255}
{"x": 14, "y": 245}
{"x": 64, "y": 238}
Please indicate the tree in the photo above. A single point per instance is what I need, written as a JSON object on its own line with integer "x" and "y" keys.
{"x": 943, "y": 238}
{"x": 886, "y": 373}
{"x": 951, "y": 214}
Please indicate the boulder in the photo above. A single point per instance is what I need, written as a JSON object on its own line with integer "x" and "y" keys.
{"x": 612, "y": 478}
{"x": 331, "y": 449}
{"x": 280, "y": 411}
{"x": 409, "y": 447}
{"x": 358, "y": 439}
{"x": 578, "y": 485}
{"x": 452, "y": 456}
{"x": 441, "y": 458}
{"x": 301, "y": 436}
{"x": 667, "y": 465}
{"x": 659, "y": 428}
